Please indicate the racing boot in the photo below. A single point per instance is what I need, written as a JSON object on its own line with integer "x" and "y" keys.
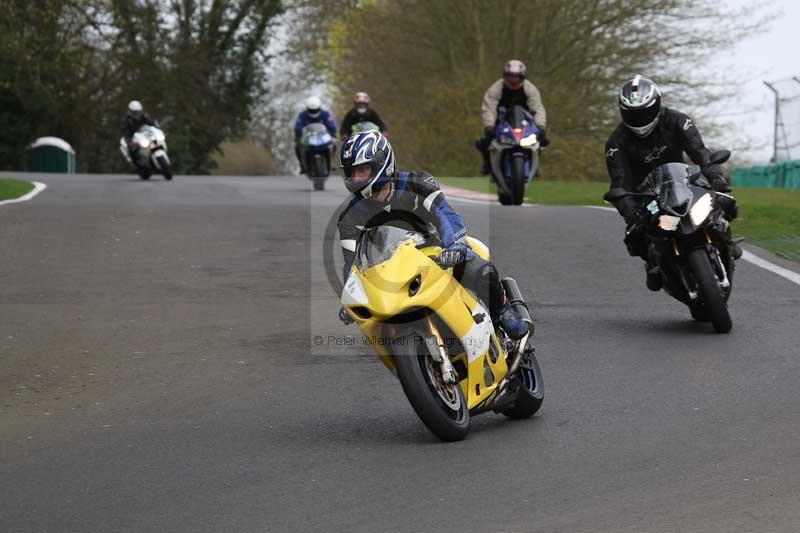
{"x": 733, "y": 245}
{"x": 501, "y": 310}
{"x": 654, "y": 279}
{"x": 511, "y": 322}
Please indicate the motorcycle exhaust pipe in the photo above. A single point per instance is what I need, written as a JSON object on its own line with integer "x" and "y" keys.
{"x": 514, "y": 297}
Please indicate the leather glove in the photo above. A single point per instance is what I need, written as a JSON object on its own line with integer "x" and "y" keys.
{"x": 488, "y": 131}
{"x": 453, "y": 255}
{"x": 719, "y": 184}
{"x": 344, "y": 317}
{"x": 544, "y": 142}
{"x": 629, "y": 209}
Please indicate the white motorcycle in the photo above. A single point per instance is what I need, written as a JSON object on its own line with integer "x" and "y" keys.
{"x": 151, "y": 155}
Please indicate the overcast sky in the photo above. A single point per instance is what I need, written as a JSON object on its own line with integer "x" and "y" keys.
{"x": 770, "y": 56}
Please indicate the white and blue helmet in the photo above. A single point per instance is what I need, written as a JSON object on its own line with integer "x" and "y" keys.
{"x": 313, "y": 106}
{"x": 367, "y": 147}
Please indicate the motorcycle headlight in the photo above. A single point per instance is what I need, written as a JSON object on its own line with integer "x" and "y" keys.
{"x": 530, "y": 140}
{"x": 668, "y": 222}
{"x": 701, "y": 209}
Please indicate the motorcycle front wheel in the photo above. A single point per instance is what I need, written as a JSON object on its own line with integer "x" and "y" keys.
{"x": 163, "y": 164}
{"x": 319, "y": 172}
{"x": 441, "y": 407}
{"x": 710, "y": 293}
{"x": 517, "y": 180}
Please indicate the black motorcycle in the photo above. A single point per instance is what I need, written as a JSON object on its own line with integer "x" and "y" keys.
{"x": 686, "y": 230}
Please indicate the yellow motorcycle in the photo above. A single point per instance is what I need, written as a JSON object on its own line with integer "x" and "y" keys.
{"x": 436, "y": 336}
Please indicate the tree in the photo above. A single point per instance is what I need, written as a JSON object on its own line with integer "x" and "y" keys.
{"x": 427, "y": 65}
{"x": 47, "y": 75}
{"x": 69, "y": 68}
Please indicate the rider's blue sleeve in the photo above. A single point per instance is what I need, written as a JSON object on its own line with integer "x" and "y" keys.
{"x": 448, "y": 223}
{"x": 299, "y": 124}
{"x": 348, "y": 257}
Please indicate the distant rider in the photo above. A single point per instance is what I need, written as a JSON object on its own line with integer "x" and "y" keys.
{"x": 361, "y": 112}
{"x": 512, "y": 89}
{"x": 133, "y": 120}
{"x": 649, "y": 136}
{"x": 414, "y": 201}
{"x": 313, "y": 113}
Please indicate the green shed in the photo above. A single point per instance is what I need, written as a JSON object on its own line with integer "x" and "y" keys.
{"x": 51, "y": 154}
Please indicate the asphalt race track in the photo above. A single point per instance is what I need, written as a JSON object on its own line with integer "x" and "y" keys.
{"x": 159, "y": 372}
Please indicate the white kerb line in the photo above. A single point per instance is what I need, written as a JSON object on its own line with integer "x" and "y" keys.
{"x": 751, "y": 258}
{"x": 37, "y": 188}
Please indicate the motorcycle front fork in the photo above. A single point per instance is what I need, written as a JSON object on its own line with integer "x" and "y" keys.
{"x": 449, "y": 375}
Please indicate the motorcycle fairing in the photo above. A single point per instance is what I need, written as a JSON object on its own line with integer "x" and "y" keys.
{"x": 440, "y": 297}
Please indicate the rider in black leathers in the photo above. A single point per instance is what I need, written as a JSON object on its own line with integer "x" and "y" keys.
{"x": 649, "y": 136}
{"x": 361, "y": 112}
{"x": 134, "y": 119}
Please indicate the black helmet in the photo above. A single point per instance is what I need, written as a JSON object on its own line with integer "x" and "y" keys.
{"x": 367, "y": 147}
{"x": 640, "y": 105}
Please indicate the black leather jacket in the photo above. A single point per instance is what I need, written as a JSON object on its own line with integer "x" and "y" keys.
{"x": 354, "y": 117}
{"x": 131, "y": 124}
{"x": 630, "y": 158}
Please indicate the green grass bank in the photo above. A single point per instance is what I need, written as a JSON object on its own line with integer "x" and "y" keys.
{"x": 10, "y": 189}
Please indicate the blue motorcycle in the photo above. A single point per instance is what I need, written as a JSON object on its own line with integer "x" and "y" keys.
{"x": 514, "y": 154}
{"x": 317, "y": 146}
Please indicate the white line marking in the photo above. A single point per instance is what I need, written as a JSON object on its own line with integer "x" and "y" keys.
{"x": 469, "y": 200}
{"x": 37, "y": 188}
{"x": 785, "y": 273}
{"x": 601, "y": 208}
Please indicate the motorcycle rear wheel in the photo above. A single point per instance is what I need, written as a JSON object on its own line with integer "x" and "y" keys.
{"x": 531, "y": 391}
{"x": 442, "y": 408}
{"x": 708, "y": 286}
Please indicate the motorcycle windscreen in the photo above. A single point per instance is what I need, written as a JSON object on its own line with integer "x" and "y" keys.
{"x": 517, "y": 117}
{"x": 315, "y": 134}
{"x": 364, "y": 126}
{"x": 671, "y": 183}
{"x": 379, "y": 244}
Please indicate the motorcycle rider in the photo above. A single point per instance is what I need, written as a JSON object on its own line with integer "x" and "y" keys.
{"x": 361, "y": 112}
{"x": 313, "y": 113}
{"x": 134, "y": 119}
{"x": 649, "y": 136}
{"x": 413, "y": 200}
{"x": 512, "y": 89}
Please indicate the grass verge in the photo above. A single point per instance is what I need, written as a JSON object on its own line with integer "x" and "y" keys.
{"x": 10, "y": 189}
{"x": 769, "y": 218}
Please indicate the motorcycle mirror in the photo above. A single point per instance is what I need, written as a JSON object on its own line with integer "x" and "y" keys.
{"x": 719, "y": 157}
{"x": 615, "y": 194}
